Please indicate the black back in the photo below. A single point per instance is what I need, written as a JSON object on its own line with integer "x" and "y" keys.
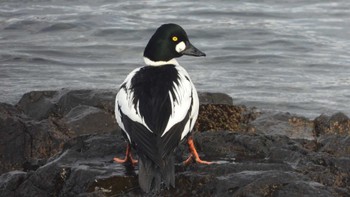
{"x": 151, "y": 87}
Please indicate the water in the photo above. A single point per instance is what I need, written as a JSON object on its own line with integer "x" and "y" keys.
{"x": 277, "y": 55}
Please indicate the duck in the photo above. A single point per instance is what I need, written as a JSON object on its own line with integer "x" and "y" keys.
{"x": 156, "y": 108}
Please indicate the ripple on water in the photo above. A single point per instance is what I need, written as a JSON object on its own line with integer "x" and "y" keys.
{"x": 288, "y": 56}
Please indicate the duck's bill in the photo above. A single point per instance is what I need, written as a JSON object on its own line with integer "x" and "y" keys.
{"x": 191, "y": 50}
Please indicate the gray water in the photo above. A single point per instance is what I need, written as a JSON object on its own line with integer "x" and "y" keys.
{"x": 289, "y": 55}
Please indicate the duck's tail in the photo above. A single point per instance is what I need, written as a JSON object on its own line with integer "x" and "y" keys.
{"x": 152, "y": 175}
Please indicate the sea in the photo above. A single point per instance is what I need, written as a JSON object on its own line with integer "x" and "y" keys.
{"x": 279, "y": 56}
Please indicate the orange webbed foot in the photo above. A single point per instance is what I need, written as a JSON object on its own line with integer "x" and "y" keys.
{"x": 128, "y": 157}
{"x": 194, "y": 154}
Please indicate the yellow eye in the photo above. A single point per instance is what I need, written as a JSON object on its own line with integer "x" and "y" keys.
{"x": 174, "y": 38}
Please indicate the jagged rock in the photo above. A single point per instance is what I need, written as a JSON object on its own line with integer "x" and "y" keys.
{"x": 338, "y": 123}
{"x": 247, "y": 165}
{"x": 214, "y": 98}
{"x": 284, "y": 124}
{"x": 23, "y": 139}
{"x": 13, "y": 138}
{"x": 42, "y": 121}
{"x": 214, "y": 117}
{"x": 9, "y": 182}
{"x": 335, "y": 145}
{"x": 40, "y": 105}
{"x": 85, "y": 119}
{"x": 37, "y": 104}
{"x": 37, "y": 127}
{"x": 64, "y": 142}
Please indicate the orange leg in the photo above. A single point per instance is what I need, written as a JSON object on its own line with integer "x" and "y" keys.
{"x": 194, "y": 155}
{"x": 128, "y": 157}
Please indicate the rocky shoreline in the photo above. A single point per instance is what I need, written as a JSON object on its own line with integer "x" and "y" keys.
{"x": 61, "y": 143}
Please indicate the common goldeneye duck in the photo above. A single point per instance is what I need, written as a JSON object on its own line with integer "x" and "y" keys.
{"x": 157, "y": 106}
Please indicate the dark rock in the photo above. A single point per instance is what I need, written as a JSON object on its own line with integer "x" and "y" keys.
{"x": 214, "y": 98}
{"x": 42, "y": 121}
{"x": 64, "y": 142}
{"x": 69, "y": 99}
{"x": 23, "y": 139}
{"x": 246, "y": 165}
{"x": 284, "y": 124}
{"x": 334, "y": 145}
{"x": 37, "y": 104}
{"x": 83, "y": 160}
{"x": 32, "y": 164}
{"x": 13, "y": 140}
{"x": 9, "y": 182}
{"x": 338, "y": 123}
{"x": 40, "y": 105}
{"x": 214, "y": 117}
{"x": 85, "y": 119}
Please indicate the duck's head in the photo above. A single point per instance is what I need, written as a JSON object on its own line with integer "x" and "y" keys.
{"x": 168, "y": 42}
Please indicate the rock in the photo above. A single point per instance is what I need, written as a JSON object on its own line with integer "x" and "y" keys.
{"x": 13, "y": 138}
{"x": 42, "y": 104}
{"x": 63, "y": 143}
{"x": 334, "y": 145}
{"x": 9, "y": 182}
{"x": 87, "y": 119}
{"x": 284, "y": 124}
{"x": 214, "y": 98}
{"x": 37, "y": 104}
{"x": 23, "y": 139}
{"x": 338, "y": 123}
{"x": 42, "y": 121}
{"x": 214, "y": 117}
{"x": 247, "y": 165}
{"x": 99, "y": 98}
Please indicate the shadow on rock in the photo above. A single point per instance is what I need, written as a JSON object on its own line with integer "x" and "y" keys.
{"x": 247, "y": 164}
{"x": 63, "y": 143}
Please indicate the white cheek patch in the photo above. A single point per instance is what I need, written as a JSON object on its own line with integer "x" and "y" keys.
{"x": 180, "y": 47}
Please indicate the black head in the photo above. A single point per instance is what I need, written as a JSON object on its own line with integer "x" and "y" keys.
{"x": 168, "y": 42}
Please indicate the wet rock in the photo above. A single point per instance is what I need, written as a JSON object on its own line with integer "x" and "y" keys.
{"x": 49, "y": 179}
{"x": 37, "y": 104}
{"x": 42, "y": 121}
{"x": 284, "y": 124}
{"x": 64, "y": 141}
{"x": 13, "y": 140}
{"x": 23, "y": 139}
{"x": 246, "y": 165}
{"x": 334, "y": 145}
{"x": 338, "y": 123}
{"x": 214, "y": 117}
{"x": 87, "y": 119}
{"x": 83, "y": 160}
{"x": 99, "y": 98}
{"x": 9, "y": 182}
{"x": 43, "y": 104}
{"x": 269, "y": 183}
{"x": 214, "y": 98}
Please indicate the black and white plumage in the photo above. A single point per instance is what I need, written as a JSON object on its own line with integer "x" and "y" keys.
{"x": 157, "y": 105}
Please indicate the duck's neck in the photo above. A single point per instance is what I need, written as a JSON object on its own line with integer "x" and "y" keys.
{"x": 160, "y": 63}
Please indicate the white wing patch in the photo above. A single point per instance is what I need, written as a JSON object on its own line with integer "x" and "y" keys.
{"x": 185, "y": 95}
{"x": 194, "y": 112}
{"x": 124, "y": 104}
